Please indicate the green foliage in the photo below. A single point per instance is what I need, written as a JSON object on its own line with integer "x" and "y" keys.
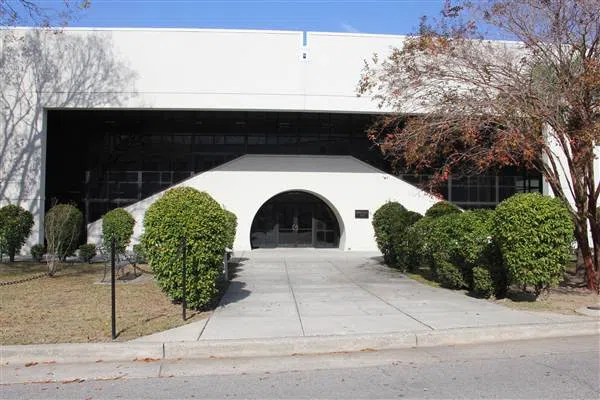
{"x": 231, "y": 227}
{"x": 15, "y": 227}
{"x": 117, "y": 224}
{"x": 442, "y": 208}
{"x": 534, "y": 233}
{"x": 418, "y": 245}
{"x": 138, "y": 254}
{"x": 386, "y": 219}
{"x": 449, "y": 275}
{"x": 483, "y": 284}
{"x": 63, "y": 230}
{"x": 37, "y": 251}
{"x": 87, "y": 252}
{"x": 401, "y": 242}
{"x": 185, "y": 212}
{"x": 462, "y": 239}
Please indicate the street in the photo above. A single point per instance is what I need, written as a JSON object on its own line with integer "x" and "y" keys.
{"x": 549, "y": 368}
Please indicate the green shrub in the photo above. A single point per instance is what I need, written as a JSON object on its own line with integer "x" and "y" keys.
{"x": 449, "y": 275}
{"x": 231, "y": 227}
{"x": 401, "y": 243}
{"x": 442, "y": 243}
{"x": 117, "y": 224}
{"x": 442, "y": 208}
{"x": 15, "y": 227}
{"x": 534, "y": 233}
{"x": 37, "y": 251}
{"x": 62, "y": 227}
{"x": 418, "y": 244}
{"x": 138, "y": 254}
{"x": 385, "y": 220}
{"x": 186, "y": 212}
{"x": 87, "y": 252}
{"x": 483, "y": 285}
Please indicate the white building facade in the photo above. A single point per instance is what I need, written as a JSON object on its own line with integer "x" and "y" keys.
{"x": 266, "y": 122}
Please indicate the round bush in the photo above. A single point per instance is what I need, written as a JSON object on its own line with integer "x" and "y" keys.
{"x": 117, "y": 224}
{"x": 185, "y": 212}
{"x": 87, "y": 252}
{"x": 37, "y": 251}
{"x": 418, "y": 244}
{"x": 231, "y": 227}
{"x": 138, "y": 254}
{"x": 15, "y": 227}
{"x": 449, "y": 275}
{"x": 386, "y": 219}
{"x": 62, "y": 227}
{"x": 534, "y": 233}
{"x": 483, "y": 285}
{"x": 442, "y": 208}
{"x": 401, "y": 243}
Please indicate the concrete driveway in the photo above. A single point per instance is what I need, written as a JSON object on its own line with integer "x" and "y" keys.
{"x": 309, "y": 292}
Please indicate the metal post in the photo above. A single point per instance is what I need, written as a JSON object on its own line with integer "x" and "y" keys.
{"x": 112, "y": 288}
{"x": 183, "y": 302}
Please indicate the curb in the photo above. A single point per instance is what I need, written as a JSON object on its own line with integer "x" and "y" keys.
{"x": 286, "y": 346}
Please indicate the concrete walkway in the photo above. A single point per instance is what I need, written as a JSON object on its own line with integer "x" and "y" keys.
{"x": 307, "y": 292}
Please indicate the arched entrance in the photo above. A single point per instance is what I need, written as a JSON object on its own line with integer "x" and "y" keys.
{"x": 294, "y": 219}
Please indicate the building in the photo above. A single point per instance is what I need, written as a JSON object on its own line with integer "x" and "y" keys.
{"x": 267, "y": 122}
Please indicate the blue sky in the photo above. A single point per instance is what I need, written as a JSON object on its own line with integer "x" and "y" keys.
{"x": 375, "y": 16}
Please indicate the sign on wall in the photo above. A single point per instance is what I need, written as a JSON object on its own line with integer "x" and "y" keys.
{"x": 361, "y": 214}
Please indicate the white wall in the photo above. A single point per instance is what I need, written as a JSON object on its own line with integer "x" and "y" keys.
{"x": 343, "y": 182}
{"x": 162, "y": 69}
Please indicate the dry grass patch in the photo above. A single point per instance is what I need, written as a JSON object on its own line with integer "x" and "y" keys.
{"x": 73, "y": 307}
{"x": 563, "y": 300}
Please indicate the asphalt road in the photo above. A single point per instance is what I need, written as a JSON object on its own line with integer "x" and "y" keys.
{"x": 542, "y": 369}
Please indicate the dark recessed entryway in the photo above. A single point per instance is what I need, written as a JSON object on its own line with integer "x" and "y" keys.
{"x": 295, "y": 219}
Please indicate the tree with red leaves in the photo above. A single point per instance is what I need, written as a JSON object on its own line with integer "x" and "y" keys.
{"x": 463, "y": 104}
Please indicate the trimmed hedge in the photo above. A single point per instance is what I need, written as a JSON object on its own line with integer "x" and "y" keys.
{"x": 401, "y": 243}
{"x": 15, "y": 227}
{"x": 87, "y": 252}
{"x": 185, "y": 212}
{"x": 483, "y": 284}
{"x": 62, "y": 227}
{"x": 449, "y": 275}
{"x": 117, "y": 224}
{"x": 442, "y": 208}
{"x": 231, "y": 227}
{"x": 37, "y": 251}
{"x": 138, "y": 254}
{"x": 418, "y": 237}
{"x": 386, "y": 220}
{"x": 534, "y": 233}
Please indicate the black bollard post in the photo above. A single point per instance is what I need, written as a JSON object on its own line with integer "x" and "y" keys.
{"x": 112, "y": 288}
{"x": 183, "y": 302}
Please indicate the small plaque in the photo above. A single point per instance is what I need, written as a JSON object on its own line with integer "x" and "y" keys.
{"x": 361, "y": 214}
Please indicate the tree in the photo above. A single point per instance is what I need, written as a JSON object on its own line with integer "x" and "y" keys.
{"x": 15, "y": 227}
{"x": 62, "y": 229}
{"x": 39, "y": 13}
{"x": 463, "y": 104}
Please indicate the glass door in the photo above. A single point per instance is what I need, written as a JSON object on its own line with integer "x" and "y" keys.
{"x": 295, "y": 225}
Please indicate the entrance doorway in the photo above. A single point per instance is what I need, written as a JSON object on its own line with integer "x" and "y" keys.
{"x": 294, "y": 219}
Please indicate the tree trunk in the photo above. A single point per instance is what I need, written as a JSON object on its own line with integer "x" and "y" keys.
{"x": 581, "y": 235}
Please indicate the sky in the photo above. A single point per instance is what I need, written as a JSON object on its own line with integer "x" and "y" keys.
{"x": 364, "y": 16}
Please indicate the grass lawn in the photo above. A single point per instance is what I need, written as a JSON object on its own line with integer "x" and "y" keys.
{"x": 74, "y": 307}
